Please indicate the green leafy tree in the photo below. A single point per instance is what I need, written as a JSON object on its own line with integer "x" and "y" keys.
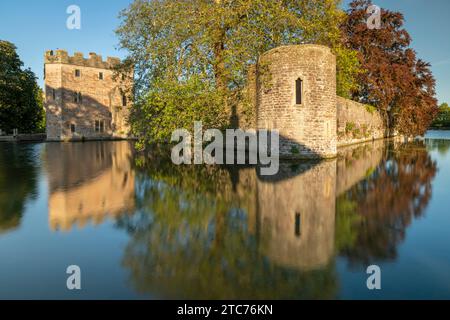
{"x": 21, "y": 99}
{"x": 183, "y": 43}
{"x": 443, "y": 117}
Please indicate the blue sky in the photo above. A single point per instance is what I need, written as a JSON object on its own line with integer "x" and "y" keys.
{"x": 35, "y": 26}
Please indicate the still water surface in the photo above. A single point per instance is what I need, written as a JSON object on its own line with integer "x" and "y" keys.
{"x": 142, "y": 228}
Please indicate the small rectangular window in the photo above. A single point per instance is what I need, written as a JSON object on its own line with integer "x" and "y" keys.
{"x": 72, "y": 128}
{"x": 54, "y": 94}
{"x": 299, "y": 91}
{"x": 124, "y": 100}
{"x": 100, "y": 75}
{"x": 77, "y": 73}
{"x": 77, "y": 97}
{"x": 297, "y": 225}
{"x": 99, "y": 126}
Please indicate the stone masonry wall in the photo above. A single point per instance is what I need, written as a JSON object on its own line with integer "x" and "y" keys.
{"x": 357, "y": 123}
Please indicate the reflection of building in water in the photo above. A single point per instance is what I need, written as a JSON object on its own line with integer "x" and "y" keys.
{"x": 296, "y": 214}
{"x": 356, "y": 162}
{"x": 296, "y": 208}
{"x": 103, "y": 186}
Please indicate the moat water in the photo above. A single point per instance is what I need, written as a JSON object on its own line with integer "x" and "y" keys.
{"x": 142, "y": 228}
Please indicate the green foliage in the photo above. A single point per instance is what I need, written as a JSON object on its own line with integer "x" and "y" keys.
{"x": 348, "y": 68}
{"x": 172, "y": 42}
{"x": 294, "y": 150}
{"x": 443, "y": 118}
{"x": 349, "y": 126}
{"x": 444, "y": 107}
{"x": 172, "y": 105}
{"x": 18, "y": 182}
{"x": 347, "y": 219}
{"x": 21, "y": 99}
{"x": 371, "y": 109}
{"x": 370, "y": 172}
{"x": 356, "y": 133}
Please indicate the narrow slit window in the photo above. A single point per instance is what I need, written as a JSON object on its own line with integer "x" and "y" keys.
{"x": 124, "y": 100}
{"x": 97, "y": 125}
{"x": 299, "y": 91}
{"x": 54, "y": 94}
{"x": 100, "y": 75}
{"x": 77, "y": 97}
{"x": 297, "y": 224}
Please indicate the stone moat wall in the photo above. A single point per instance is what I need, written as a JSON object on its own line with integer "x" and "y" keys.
{"x": 357, "y": 123}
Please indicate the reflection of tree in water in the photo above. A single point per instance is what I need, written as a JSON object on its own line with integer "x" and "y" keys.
{"x": 191, "y": 238}
{"x": 18, "y": 182}
{"x": 441, "y": 145}
{"x": 376, "y": 212}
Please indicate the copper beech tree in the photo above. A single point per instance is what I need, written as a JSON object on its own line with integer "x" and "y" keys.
{"x": 394, "y": 80}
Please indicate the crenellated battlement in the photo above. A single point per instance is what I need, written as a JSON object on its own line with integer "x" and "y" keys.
{"x": 94, "y": 60}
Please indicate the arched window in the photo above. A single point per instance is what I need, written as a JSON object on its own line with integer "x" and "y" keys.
{"x": 299, "y": 91}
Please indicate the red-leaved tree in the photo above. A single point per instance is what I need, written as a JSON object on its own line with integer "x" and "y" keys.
{"x": 394, "y": 80}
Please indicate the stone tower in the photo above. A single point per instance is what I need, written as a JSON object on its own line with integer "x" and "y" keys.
{"x": 83, "y": 100}
{"x": 296, "y": 94}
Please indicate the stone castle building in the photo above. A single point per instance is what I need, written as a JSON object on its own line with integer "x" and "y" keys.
{"x": 83, "y": 98}
{"x": 293, "y": 89}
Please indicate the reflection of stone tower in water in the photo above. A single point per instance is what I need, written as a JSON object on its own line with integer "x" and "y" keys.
{"x": 102, "y": 187}
{"x": 296, "y": 215}
{"x": 296, "y": 94}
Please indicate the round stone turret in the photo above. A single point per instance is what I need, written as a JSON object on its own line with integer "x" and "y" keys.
{"x": 296, "y": 94}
